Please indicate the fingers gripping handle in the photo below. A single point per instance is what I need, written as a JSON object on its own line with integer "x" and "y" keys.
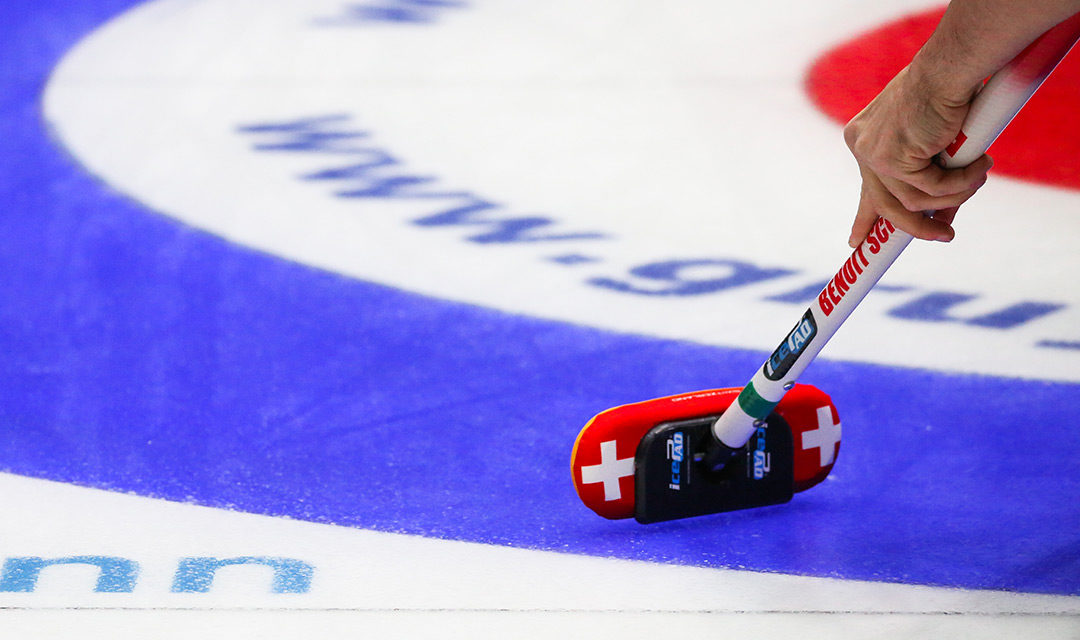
{"x": 993, "y": 108}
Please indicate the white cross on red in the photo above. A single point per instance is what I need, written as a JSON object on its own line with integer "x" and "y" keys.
{"x": 825, "y": 437}
{"x": 610, "y": 470}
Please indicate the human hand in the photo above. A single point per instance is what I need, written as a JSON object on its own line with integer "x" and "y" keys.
{"x": 895, "y": 140}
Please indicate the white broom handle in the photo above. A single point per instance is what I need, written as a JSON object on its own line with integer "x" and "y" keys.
{"x": 993, "y": 108}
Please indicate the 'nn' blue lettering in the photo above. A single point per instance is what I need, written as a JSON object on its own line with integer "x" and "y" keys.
{"x": 196, "y": 575}
{"x": 119, "y": 575}
{"x": 116, "y": 575}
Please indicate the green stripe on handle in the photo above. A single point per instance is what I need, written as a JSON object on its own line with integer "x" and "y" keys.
{"x": 753, "y": 404}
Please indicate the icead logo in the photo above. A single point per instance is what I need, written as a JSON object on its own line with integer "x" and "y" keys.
{"x": 761, "y": 458}
{"x": 675, "y": 455}
{"x": 781, "y": 361}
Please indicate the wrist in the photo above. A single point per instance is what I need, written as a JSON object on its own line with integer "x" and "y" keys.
{"x": 941, "y": 81}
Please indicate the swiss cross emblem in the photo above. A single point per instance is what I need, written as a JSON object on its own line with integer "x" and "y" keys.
{"x": 610, "y": 471}
{"x": 825, "y": 437}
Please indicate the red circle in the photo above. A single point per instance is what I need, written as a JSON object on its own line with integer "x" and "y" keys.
{"x": 1041, "y": 145}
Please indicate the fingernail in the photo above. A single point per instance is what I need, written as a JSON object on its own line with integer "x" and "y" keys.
{"x": 944, "y": 237}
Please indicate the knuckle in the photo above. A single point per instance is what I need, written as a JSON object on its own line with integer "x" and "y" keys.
{"x": 929, "y": 183}
{"x": 851, "y": 135}
{"x": 934, "y": 190}
{"x": 912, "y": 201}
{"x": 893, "y": 210}
{"x": 940, "y": 189}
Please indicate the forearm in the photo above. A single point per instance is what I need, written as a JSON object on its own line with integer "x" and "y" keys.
{"x": 977, "y": 37}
